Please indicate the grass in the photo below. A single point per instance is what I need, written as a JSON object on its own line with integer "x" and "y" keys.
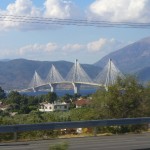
{"x": 60, "y": 146}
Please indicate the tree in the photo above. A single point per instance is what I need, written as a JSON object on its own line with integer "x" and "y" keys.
{"x": 123, "y": 99}
{"x": 2, "y": 93}
{"x": 51, "y": 97}
{"x": 67, "y": 98}
{"x": 147, "y": 99}
{"x": 82, "y": 114}
{"x": 18, "y": 102}
{"x": 14, "y": 97}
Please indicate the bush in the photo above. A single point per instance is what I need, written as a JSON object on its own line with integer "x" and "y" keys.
{"x": 61, "y": 146}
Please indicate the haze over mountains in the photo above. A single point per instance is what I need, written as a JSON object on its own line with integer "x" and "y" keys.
{"x": 132, "y": 59}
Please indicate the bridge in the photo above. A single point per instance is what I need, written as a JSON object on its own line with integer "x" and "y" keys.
{"x": 76, "y": 77}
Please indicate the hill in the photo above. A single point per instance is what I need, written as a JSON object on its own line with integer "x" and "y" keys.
{"x": 130, "y": 59}
{"x": 17, "y": 74}
{"x": 144, "y": 74}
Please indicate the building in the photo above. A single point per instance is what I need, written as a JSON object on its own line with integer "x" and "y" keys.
{"x": 82, "y": 102}
{"x": 3, "y": 107}
{"x": 57, "y": 106}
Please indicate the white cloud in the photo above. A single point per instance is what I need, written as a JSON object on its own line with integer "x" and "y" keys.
{"x": 101, "y": 45}
{"x": 105, "y": 46}
{"x": 38, "y": 49}
{"x": 96, "y": 45}
{"x": 22, "y": 7}
{"x": 58, "y": 9}
{"x": 18, "y": 8}
{"x": 73, "y": 47}
{"x": 110, "y": 10}
{"x": 48, "y": 51}
{"x": 52, "y": 8}
{"x": 120, "y": 10}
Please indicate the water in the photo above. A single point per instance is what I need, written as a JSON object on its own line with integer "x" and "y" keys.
{"x": 62, "y": 92}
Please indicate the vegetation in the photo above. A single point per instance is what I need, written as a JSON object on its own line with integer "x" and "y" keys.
{"x": 125, "y": 99}
{"x": 61, "y": 146}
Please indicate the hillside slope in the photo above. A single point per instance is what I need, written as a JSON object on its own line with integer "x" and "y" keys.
{"x": 131, "y": 58}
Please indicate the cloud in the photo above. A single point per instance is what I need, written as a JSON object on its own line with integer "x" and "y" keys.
{"x": 101, "y": 45}
{"x": 120, "y": 10}
{"x": 54, "y": 51}
{"x": 105, "y": 46}
{"x": 38, "y": 49}
{"x": 22, "y": 7}
{"x": 58, "y": 9}
{"x": 73, "y": 47}
{"x": 112, "y": 10}
{"x": 96, "y": 45}
{"x": 18, "y": 8}
{"x": 30, "y": 13}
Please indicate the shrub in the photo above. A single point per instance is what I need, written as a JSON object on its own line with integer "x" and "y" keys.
{"x": 61, "y": 146}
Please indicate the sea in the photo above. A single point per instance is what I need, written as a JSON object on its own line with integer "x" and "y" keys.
{"x": 62, "y": 92}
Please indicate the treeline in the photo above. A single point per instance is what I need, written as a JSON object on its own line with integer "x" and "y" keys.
{"x": 25, "y": 104}
{"x": 127, "y": 98}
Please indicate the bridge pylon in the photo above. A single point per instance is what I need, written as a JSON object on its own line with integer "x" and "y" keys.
{"x": 53, "y": 78}
{"x": 34, "y": 89}
{"x": 76, "y": 76}
{"x": 52, "y": 87}
{"x": 109, "y": 75}
{"x": 35, "y": 82}
{"x": 76, "y": 87}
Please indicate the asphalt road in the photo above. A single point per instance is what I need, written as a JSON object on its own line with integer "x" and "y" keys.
{"x": 115, "y": 142}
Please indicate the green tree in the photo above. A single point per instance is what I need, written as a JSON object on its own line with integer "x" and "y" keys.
{"x": 82, "y": 114}
{"x": 51, "y": 97}
{"x": 123, "y": 99}
{"x": 2, "y": 93}
{"x": 18, "y": 102}
{"x": 147, "y": 99}
{"x": 67, "y": 98}
{"x": 14, "y": 97}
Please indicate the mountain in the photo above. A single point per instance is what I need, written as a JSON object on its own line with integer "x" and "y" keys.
{"x": 144, "y": 74}
{"x": 17, "y": 74}
{"x": 130, "y": 59}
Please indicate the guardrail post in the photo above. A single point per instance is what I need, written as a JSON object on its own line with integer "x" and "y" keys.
{"x": 95, "y": 131}
{"x": 15, "y": 136}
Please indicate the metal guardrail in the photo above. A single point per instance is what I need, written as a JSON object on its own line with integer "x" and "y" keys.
{"x": 74, "y": 124}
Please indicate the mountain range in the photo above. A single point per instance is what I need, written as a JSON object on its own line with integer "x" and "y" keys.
{"x": 132, "y": 59}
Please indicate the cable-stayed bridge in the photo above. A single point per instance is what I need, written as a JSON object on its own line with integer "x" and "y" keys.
{"x": 77, "y": 77}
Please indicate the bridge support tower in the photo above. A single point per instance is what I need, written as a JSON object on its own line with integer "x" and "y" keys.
{"x": 34, "y": 89}
{"x": 76, "y": 87}
{"x": 53, "y": 87}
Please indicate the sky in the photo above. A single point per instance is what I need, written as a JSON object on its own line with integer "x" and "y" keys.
{"x": 53, "y": 42}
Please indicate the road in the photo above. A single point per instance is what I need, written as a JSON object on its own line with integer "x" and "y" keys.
{"x": 115, "y": 142}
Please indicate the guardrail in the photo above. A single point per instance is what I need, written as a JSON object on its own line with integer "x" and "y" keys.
{"x": 74, "y": 124}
